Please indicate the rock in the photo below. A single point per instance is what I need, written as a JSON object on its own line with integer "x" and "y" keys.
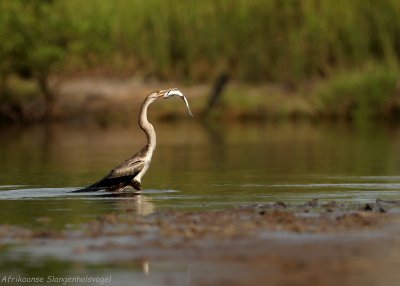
{"x": 367, "y": 207}
{"x": 280, "y": 204}
{"x": 313, "y": 203}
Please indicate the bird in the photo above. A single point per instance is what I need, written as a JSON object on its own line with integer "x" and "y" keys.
{"x": 130, "y": 172}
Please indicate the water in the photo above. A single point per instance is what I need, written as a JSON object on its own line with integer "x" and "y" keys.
{"x": 195, "y": 166}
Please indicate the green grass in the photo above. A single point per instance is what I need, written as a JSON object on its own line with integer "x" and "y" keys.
{"x": 368, "y": 92}
{"x": 278, "y": 41}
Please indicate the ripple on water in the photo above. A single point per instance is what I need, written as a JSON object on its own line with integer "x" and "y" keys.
{"x": 226, "y": 193}
{"x": 14, "y": 192}
{"x": 359, "y": 186}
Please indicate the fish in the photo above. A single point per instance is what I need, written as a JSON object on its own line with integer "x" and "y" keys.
{"x": 177, "y": 92}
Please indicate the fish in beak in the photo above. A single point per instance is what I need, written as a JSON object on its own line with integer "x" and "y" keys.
{"x": 176, "y": 92}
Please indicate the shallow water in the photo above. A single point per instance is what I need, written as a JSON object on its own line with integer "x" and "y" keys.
{"x": 194, "y": 167}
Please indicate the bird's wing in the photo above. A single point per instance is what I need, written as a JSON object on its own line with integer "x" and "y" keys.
{"x": 119, "y": 176}
{"x": 130, "y": 167}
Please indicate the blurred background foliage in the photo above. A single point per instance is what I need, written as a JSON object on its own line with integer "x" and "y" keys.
{"x": 348, "y": 50}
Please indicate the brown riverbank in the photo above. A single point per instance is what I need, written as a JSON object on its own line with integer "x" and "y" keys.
{"x": 358, "y": 95}
{"x": 116, "y": 101}
{"x": 272, "y": 244}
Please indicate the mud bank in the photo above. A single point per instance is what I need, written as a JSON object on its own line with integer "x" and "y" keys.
{"x": 269, "y": 244}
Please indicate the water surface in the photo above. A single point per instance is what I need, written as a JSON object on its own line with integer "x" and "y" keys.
{"x": 195, "y": 166}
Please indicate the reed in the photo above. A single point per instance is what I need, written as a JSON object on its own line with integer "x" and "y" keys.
{"x": 368, "y": 92}
{"x": 255, "y": 40}
{"x": 288, "y": 42}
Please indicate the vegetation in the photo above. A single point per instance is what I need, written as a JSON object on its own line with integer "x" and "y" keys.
{"x": 371, "y": 92}
{"x": 286, "y": 42}
{"x": 34, "y": 42}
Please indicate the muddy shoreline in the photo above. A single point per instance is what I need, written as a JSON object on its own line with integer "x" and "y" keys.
{"x": 277, "y": 244}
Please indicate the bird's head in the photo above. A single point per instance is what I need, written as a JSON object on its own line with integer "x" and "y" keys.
{"x": 168, "y": 93}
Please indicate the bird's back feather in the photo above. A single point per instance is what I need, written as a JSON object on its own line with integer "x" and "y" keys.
{"x": 107, "y": 183}
{"x": 119, "y": 177}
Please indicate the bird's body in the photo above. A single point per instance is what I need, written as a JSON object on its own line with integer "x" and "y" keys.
{"x": 130, "y": 172}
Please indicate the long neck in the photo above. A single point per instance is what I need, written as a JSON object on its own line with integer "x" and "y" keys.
{"x": 145, "y": 125}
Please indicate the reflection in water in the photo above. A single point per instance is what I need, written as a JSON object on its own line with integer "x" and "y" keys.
{"x": 128, "y": 201}
{"x": 145, "y": 267}
{"x": 61, "y": 207}
{"x": 183, "y": 272}
{"x": 194, "y": 167}
{"x": 212, "y": 165}
{"x": 217, "y": 135}
{"x": 137, "y": 204}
